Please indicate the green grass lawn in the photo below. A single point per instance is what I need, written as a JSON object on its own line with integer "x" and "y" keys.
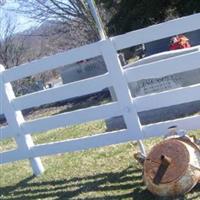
{"x": 97, "y": 174}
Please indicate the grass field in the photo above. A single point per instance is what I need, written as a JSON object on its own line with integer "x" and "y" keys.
{"x": 103, "y": 173}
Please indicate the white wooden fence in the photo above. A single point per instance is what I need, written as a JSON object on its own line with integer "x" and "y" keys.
{"x": 116, "y": 77}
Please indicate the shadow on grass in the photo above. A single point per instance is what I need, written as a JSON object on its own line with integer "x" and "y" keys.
{"x": 126, "y": 184}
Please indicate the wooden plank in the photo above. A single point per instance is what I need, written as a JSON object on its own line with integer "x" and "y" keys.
{"x": 164, "y": 67}
{"x": 72, "y": 145}
{"x": 11, "y": 156}
{"x": 7, "y": 132}
{"x": 72, "y": 118}
{"x": 85, "y": 143}
{"x": 121, "y": 88}
{"x": 168, "y": 98}
{"x": 52, "y": 62}
{"x": 67, "y": 91}
{"x": 156, "y": 32}
{"x": 161, "y": 129}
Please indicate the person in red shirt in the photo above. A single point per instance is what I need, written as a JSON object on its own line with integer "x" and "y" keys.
{"x": 174, "y": 44}
{"x": 179, "y": 42}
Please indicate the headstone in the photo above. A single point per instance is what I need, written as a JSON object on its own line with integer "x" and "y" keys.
{"x": 82, "y": 70}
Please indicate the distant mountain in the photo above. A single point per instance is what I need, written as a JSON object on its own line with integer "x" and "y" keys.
{"x": 48, "y": 39}
{"x": 52, "y": 37}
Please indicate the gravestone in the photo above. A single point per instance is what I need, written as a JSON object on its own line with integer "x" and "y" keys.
{"x": 82, "y": 70}
{"x": 153, "y": 85}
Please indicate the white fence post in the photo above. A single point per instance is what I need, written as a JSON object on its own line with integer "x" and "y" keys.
{"x": 14, "y": 120}
{"x": 122, "y": 90}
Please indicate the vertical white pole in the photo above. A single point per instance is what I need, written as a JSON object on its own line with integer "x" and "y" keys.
{"x": 15, "y": 119}
{"x": 97, "y": 19}
{"x": 122, "y": 92}
{"x": 102, "y": 33}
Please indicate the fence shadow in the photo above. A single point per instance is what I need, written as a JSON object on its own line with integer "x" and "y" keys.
{"x": 126, "y": 184}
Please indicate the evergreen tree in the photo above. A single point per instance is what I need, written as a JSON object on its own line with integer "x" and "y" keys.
{"x": 128, "y": 15}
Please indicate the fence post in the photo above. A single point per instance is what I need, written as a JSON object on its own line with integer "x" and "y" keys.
{"x": 15, "y": 119}
{"x": 122, "y": 91}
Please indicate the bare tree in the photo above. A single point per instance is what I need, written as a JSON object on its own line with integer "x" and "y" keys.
{"x": 55, "y": 9}
{"x": 12, "y": 46}
{"x": 13, "y": 52}
{"x": 67, "y": 12}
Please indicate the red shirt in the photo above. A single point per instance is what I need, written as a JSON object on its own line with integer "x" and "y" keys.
{"x": 179, "y": 45}
{"x": 174, "y": 46}
{"x": 182, "y": 43}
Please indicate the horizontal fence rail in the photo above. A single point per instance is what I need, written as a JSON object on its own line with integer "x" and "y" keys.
{"x": 94, "y": 141}
{"x": 157, "y": 32}
{"x": 160, "y": 129}
{"x": 164, "y": 67}
{"x": 7, "y": 132}
{"x": 83, "y": 143}
{"x": 72, "y": 118}
{"x": 67, "y": 91}
{"x": 13, "y": 155}
{"x": 52, "y": 62}
{"x": 168, "y": 98}
{"x": 116, "y": 77}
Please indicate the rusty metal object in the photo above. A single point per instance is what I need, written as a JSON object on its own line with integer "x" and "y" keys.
{"x": 172, "y": 167}
{"x": 162, "y": 170}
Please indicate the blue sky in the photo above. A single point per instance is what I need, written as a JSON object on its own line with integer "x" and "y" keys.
{"x": 22, "y": 22}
